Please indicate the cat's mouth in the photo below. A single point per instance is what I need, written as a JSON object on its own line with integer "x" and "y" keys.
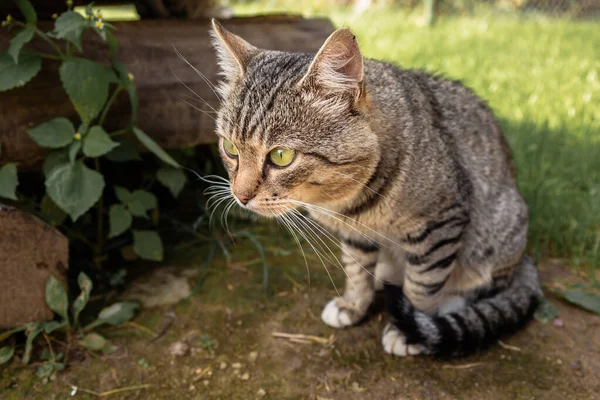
{"x": 270, "y": 209}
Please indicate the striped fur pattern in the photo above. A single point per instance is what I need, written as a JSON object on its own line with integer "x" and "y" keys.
{"x": 410, "y": 171}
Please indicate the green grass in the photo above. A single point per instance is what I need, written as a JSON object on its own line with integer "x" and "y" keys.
{"x": 542, "y": 79}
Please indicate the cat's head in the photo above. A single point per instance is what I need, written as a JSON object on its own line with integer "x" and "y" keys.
{"x": 294, "y": 128}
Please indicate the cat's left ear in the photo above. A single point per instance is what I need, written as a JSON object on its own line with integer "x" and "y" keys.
{"x": 234, "y": 53}
{"x": 338, "y": 66}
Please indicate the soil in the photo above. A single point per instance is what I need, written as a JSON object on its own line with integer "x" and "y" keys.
{"x": 219, "y": 344}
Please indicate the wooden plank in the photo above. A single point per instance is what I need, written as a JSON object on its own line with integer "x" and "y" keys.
{"x": 147, "y": 49}
{"x": 30, "y": 251}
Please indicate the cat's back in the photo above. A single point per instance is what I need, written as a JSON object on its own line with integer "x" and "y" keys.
{"x": 454, "y": 110}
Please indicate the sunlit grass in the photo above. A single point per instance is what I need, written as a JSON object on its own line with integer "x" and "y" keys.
{"x": 541, "y": 76}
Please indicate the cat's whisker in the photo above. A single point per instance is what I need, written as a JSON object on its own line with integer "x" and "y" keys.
{"x": 332, "y": 214}
{"x": 337, "y": 242}
{"x": 196, "y": 108}
{"x": 216, "y": 206}
{"x": 325, "y": 213}
{"x": 315, "y": 235}
{"x": 289, "y": 228}
{"x": 200, "y": 74}
{"x": 233, "y": 204}
{"x": 204, "y": 178}
{"x": 198, "y": 97}
{"x": 359, "y": 182}
{"x": 286, "y": 216}
{"x": 192, "y": 98}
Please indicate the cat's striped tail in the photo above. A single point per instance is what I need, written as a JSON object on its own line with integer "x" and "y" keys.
{"x": 471, "y": 328}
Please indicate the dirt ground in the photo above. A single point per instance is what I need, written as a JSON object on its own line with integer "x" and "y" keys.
{"x": 219, "y": 344}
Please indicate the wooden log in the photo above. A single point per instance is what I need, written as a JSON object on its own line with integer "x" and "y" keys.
{"x": 30, "y": 251}
{"x": 145, "y": 8}
{"x": 147, "y": 48}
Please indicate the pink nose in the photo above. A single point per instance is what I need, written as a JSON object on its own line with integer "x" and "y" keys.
{"x": 243, "y": 199}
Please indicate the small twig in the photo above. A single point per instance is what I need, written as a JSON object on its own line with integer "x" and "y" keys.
{"x": 463, "y": 366}
{"x": 301, "y": 338}
{"x": 141, "y": 328}
{"x": 50, "y": 346}
{"x": 164, "y": 329}
{"x": 508, "y": 346}
{"x": 110, "y": 392}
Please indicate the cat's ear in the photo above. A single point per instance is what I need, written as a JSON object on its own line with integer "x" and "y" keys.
{"x": 338, "y": 66}
{"x": 233, "y": 52}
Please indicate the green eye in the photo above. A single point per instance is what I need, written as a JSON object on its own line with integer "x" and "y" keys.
{"x": 281, "y": 156}
{"x": 230, "y": 148}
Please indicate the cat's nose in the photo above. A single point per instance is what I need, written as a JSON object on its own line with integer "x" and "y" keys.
{"x": 243, "y": 199}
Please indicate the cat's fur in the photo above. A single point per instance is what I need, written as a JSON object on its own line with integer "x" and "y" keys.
{"x": 409, "y": 170}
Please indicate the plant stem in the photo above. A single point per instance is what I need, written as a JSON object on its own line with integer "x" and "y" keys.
{"x": 110, "y": 103}
{"x": 118, "y": 133}
{"x": 43, "y": 36}
{"x": 99, "y": 224}
{"x": 50, "y": 56}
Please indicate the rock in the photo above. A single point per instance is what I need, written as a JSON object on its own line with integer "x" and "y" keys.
{"x": 163, "y": 286}
{"x": 179, "y": 349}
{"x": 253, "y": 356}
{"x": 30, "y": 251}
{"x": 245, "y": 376}
{"x": 261, "y": 392}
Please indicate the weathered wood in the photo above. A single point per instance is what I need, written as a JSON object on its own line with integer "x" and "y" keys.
{"x": 147, "y": 48}
{"x": 145, "y": 8}
{"x": 30, "y": 251}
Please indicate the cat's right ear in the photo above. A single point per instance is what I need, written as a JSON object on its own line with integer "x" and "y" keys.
{"x": 233, "y": 52}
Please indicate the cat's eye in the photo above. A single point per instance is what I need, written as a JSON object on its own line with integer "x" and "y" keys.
{"x": 230, "y": 148}
{"x": 281, "y": 156}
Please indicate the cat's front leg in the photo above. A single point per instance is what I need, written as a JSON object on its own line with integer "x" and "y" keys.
{"x": 359, "y": 260}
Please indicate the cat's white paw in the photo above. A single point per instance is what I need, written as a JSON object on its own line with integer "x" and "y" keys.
{"x": 337, "y": 316}
{"x": 394, "y": 343}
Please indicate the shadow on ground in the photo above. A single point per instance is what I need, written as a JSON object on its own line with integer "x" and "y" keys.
{"x": 542, "y": 362}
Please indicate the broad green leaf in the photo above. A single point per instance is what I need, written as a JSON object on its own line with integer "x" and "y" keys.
{"x": 89, "y": 9}
{"x": 17, "y": 43}
{"x": 6, "y": 353}
{"x": 9, "y": 181}
{"x": 125, "y": 151}
{"x": 546, "y": 311}
{"x": 93, "y": 341}
{"x": 151, "y": 145}
{"x": 97, "y": 142}
{"x": 56, "y": 133}
{"x": 57, "y": 298}
{"x": 70, "y": 26}
{"x": 113, "y": 45}
{"x": 86, "y": 83}
{"x": 118, "y": 313}
{"x": 173, "y": 178}
{"x": 54, "y": 215}
{"x": 55, "y": 159}
{"x": 75, "y": 188}
{"x": 133, "y": 100}
{"x": 137, "y": 209}
{"x": 120, "y": 220}
{"x": 123, "y": 194}
{"x": 27, "y": 10}
{"x": 86, "y": 285}
{"x": 585, "y": 299}
{"x": 51, "y": 326}
{"x": 148, "y": 245}
{"x": 74, "y": 150}
{"x": 32, "y": 330}
{"x": 146, "y": 199}
{"x": 13, "y": 75}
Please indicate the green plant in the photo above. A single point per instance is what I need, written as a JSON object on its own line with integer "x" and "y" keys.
{"x": 58, "y": 301}
{"x": 74, "y": 182}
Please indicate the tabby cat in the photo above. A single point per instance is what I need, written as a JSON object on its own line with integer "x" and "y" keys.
{"x": 410, "y": 171}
